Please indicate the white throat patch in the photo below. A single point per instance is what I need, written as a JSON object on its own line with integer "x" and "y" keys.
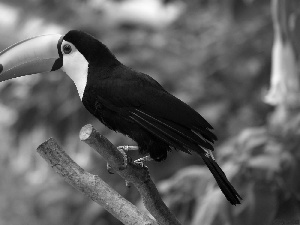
{"x": 76, "y": 67}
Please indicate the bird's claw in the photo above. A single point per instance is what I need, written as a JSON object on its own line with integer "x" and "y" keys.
{"x": 127, "y": 148}
{"x": 139, "y": 162}
{"x": 126, "y": 159}
{"x": 127, "y": 183}
{"x": 110, "y": 170}
{"x": 142, "y": 160}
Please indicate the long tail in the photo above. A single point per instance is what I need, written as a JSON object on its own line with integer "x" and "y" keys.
{"x": 231, "y": 194}
{"x": 197, "y": 139}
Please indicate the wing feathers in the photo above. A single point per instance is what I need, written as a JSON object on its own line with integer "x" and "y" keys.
{"x": 156, "y": 131}
{"x": 182, "y": 131}
{"x": 205, "y": 132}
{"x": 186, "y": 140}
{"x": 171, "y": 131}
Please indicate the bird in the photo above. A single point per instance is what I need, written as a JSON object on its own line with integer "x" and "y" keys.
{"x": 124, "y": 100}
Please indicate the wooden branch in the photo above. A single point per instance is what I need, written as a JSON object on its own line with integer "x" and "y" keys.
{"x": 135, "y": 174}
{"x": 92, "y": 186}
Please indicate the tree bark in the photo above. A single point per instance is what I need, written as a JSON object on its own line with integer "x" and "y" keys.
{"x": 92, "y": 186}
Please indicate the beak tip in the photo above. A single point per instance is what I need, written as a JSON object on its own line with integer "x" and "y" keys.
{"x": 1, "y": 68}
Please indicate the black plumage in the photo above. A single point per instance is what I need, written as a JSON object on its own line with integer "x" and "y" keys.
{"x": 136, "y": 105}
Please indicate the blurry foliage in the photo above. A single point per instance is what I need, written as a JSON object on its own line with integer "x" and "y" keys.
{"x": 215, "y": 57}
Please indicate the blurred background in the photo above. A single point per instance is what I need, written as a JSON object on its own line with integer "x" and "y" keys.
{"x": 214, "y": 55}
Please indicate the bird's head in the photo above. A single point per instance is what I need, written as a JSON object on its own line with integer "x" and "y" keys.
{"x": 74, "y": 53}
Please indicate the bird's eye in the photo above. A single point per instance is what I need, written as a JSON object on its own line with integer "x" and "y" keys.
{"x": 67, "y": 49}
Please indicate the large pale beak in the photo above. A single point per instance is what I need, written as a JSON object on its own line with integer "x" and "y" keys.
{"x": 35, "y": 55}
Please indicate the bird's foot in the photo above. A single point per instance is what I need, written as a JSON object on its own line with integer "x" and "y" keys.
{"x": 127, "y": 148}
{"x": 126, "y": 158}
{"x": 142, "y": 160}
{"x": 109, "y": 169}
{"x": 124, "y": 150}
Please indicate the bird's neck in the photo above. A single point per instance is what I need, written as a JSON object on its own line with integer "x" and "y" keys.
{"x": 77, "y": 70}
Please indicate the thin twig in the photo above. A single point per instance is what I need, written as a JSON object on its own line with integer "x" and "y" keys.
{"x": 92, "y": 186}
{"x": 135, "y": 174}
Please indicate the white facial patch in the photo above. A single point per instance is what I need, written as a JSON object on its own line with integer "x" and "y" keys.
{"x": 76, "y": 67}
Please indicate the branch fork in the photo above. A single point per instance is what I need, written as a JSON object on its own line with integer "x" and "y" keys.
{"x": 100, "y": 192}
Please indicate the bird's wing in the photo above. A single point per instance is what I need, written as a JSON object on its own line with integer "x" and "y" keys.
{"x": 144, "y": 101}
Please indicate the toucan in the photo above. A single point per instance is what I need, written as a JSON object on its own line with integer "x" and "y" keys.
{"x": 124, "y": 100}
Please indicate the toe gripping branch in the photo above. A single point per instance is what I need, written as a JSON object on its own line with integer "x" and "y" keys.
{"x": 126, "y": 159}
{"x": 124, "y": 150}
{"x": 116, "y": 158}
{"x": 135, "y": 174}
{"x": 142, "y": 160}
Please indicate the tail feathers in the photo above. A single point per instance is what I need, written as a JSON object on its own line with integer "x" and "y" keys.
{"x": 228, "y": 190}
